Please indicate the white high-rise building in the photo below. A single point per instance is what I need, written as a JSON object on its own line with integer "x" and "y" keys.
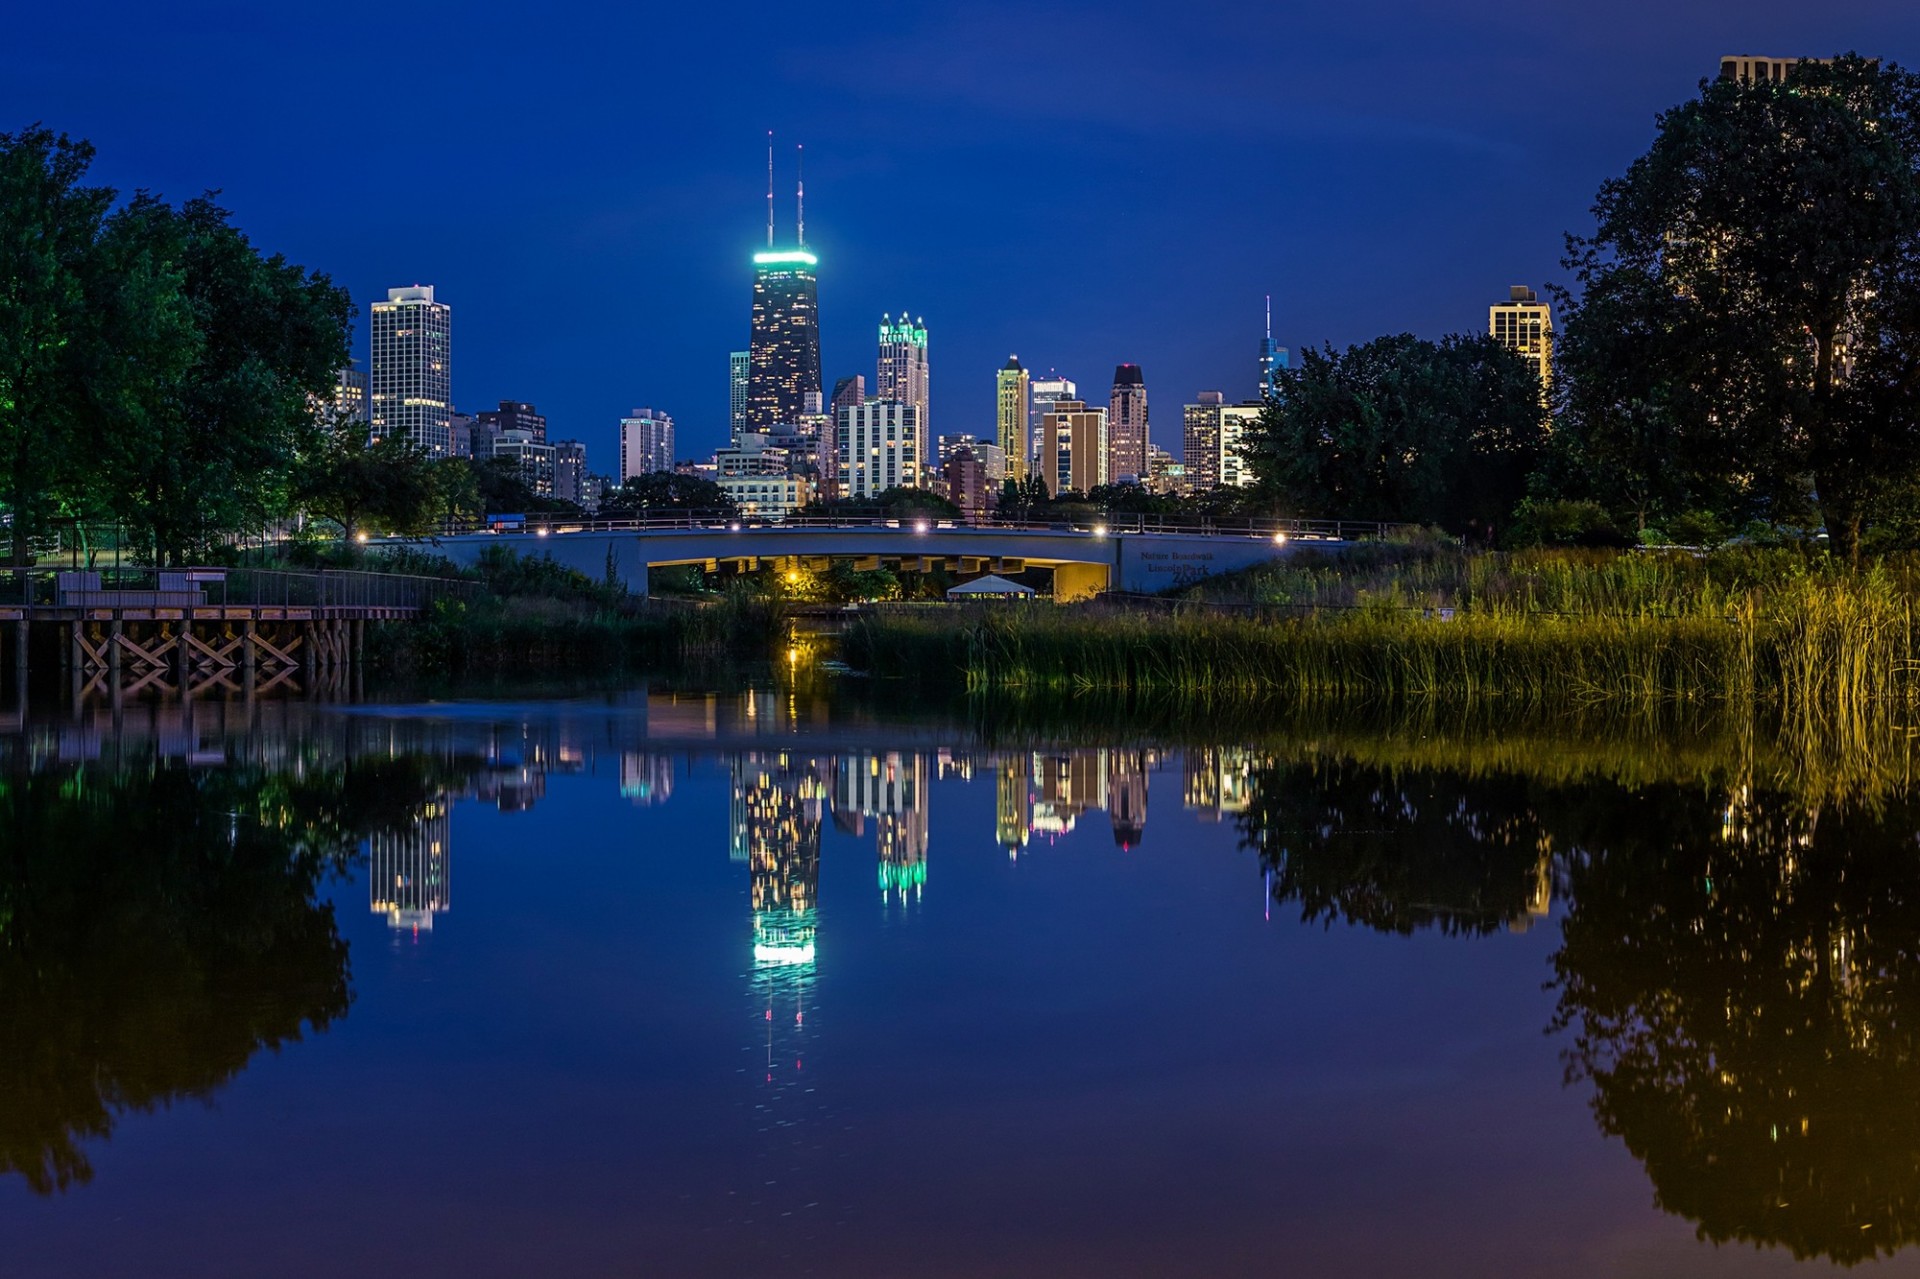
{"x": 901, "y": 371}
{"x": 739, "y": 366}
{"x": 882, "y": 446}
{"x": 410, "y": 377}
{"x": 646, "y": 443}
{"x": 1042, "y": 394}
{"x": 1524, "y": 325}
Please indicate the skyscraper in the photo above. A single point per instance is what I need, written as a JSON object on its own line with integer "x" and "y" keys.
{"x": 738, "y": 365}
{"x": 407, "y": 867}
{"x": 410, "y": 378}
{"x": 646, "y": 443}
{"x": 900, "y": 372}
{"x": 1015, "y": 390}
{"x": 881, "y": 447}
{"x": 1042, "y": 394}
{"x": 1524, "y": 324}
{"x": 784, "y": 354}
{"x": 1127, "y": 426}
{"x": 847, "y": 391}
{"x": 1274, "y": 358}
{"x": 350, "y": 395}
{"x": 1073, "y": 450}
{"x": 513, "y": 415}
{"x": 570, "y": 471}
{"x": 1213, "y": 431}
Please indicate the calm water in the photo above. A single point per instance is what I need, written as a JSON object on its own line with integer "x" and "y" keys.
{"x": 751, "y": 984}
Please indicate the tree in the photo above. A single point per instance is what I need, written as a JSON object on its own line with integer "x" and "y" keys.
{"x": 391, "y": 485}
{"x": 1400, "y": 428}
{"x": 668, "y": 492}
{"x": 49, "y": 227}
{"x": 1749, "y": 321}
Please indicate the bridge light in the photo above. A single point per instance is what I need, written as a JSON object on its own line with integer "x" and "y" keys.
{"x": 1099, "y": 530}
{"x": 920, "y": 527}
{"x": 1279, "y": 539}
{"x": 540, "y": 532}
{"x": 735, "y": 526}
{"x": 360, "y": 536}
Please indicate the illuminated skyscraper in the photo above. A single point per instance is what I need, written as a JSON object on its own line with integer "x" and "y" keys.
{"x": 881, "y": 447}
{"x": 1127, "y": 796}
{"x": 1011, "y": 820}
{"x": 407, "y": 869}
{"x": 1524, "y": 324}
{"x": 646, "y": 443}
{"x": 784, "y": 353}
{"x": 1073, "y": 447}
{"x": 738, "y": 364}
{"x": 1274, "y": 358}
{"x": 350, "y": 395}
{"x": 900, "y": 373}
{"x": 1127, "y": 426}
{"x": 1015, "y": 387}
{"x": 410, "y": 379}
{"x": 1213, "y": 432}
{"x": 891, "y": 789}
{"x": 1043, "y": 393}
{"x": 646, "y": 779}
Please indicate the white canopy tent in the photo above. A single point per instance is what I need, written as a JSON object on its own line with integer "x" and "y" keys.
{"x": 989, "y": 587}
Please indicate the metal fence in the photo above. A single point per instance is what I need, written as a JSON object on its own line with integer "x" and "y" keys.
{"x": 544, "y": 525}
{"x": 212, "y": 587}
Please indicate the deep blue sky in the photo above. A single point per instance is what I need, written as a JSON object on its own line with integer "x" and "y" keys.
{"x": 1081, "y": 184}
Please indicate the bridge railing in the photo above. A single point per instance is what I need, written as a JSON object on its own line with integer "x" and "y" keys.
{"x": 545, "y": 525}
{"x": 194, "y": 587}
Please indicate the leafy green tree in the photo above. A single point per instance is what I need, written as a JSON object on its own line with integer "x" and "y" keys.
{"x": 1400, "y": 428}
{"x": 667, "y": 492}
{"x": 1748, "y": 326}
{"x": 389, "y": 486}
{"x": 50, "y": 223}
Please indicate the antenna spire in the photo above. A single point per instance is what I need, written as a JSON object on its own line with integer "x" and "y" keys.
{"x": 800, "y": 167}
{"x": 1269, "y": 317}
{"x": 769, "y": 188}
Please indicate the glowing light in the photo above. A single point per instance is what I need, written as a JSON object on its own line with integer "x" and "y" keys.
{"x": 540, "y": 532}
{"x": 786, "y": 257}
{"x": 1099, "y": 530}
{"x": 921, "y": 526}
{"x": 785, "y": 956}
{"x": 359, "y": 537}
{"x": 1279, "y": 539}
{"x": 735, "y": 526}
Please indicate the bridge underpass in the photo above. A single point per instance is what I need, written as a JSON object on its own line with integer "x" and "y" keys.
{"x": 1084, "y": 562}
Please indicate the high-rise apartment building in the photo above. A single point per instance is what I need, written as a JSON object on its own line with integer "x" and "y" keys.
{"x": 350, "y": 395}
{"x": 1015, "y": 387}
{"x": 533, "y": 459}
{"x": 646, "y": 443}
{"x": 1042, "y": 394}
{"x": 1761, "y": 70}
{"x": 410, "y": 377}
{"x": 1214, "y": 431}
{"x": 1524, "y": 324}
{"x": 738, "y": 365}
{"x": 513, "y": 415}
{"x": 1274, "y": 358}
{"x": 900, "y": 372}
{"x": 784, "y": 353}
{"x": 881, "y": 447}
{"x": 1073, "y": 447}
{"x": 570, "y": 471}
{"x": 1127, "y": 426}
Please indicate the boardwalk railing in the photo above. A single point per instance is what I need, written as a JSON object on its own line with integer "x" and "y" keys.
{"x": 668, "y": 521}
{"x": 213, "y": 587}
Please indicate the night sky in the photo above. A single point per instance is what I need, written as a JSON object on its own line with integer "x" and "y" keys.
{"x": 1081, "y": 184}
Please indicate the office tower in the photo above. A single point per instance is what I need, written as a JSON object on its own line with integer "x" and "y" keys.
{"x": 1127, "y": 426}
{"x": 1043, "y": 394}
{"x": 532, "y": 459}
{"x": 1214, "y": 431}
{"x": 1164, "y": 474}
{"x": 350, "y": 395}
{"x": 963, "y": 478}
{"x": 738, "y": 364}
{"x": 847, "y": 391}
{"x": 784, "y": 354}
{"x": 410, "y": 378}
{"x": 1524, "y": 324}
{"x": 407, "y": 868}
{"x": 900, "y": 372}
{"x": 460, "y": 434}
{"x": 1127, "y": 796}
{"x": 570, "y": 471}
{"x": 646, "y": 443}
{"x": 1073, "y": 447}
{"x": 1010, "y": 793}
{"x": 1015, "y": 401}
{"x": 513, "y": 415}
{"x": 1274, "y": 358}
{"x": 881, "y": 447}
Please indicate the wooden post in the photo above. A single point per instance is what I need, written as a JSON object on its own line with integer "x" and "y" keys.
{"x": 359, "y": 641}
{"x": 307, "y": 660}
{"x": 113, "y": 647}
{"x": 247, "y": 656}
{"x": 21, "y": 634}
{"x": 183, "y": 650}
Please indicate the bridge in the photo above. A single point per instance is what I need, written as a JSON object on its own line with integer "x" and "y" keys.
{"x": 1085, "y": 557}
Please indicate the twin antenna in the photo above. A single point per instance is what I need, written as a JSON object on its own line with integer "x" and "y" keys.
{"x": 800, "y": 195}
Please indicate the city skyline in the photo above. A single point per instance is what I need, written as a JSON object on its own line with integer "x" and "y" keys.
{"x": 647, "y": 223}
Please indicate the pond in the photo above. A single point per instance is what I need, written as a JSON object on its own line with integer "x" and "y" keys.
{"x": 785, "y": 981}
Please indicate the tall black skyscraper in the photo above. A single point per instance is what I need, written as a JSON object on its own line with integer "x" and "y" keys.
{"x": 784, "y": 352}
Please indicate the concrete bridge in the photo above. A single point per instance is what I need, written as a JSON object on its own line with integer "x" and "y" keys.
{"x": 1084, "y": 559}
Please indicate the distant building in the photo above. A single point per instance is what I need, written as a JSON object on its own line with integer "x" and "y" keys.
{"x": 1524, "y": 324}
{"x": 534, "y": 459}
{"x": 570, "y": 471}
{"x": 513, "y": 415}
{"x": 593, "y": 491}
{"x": 1213, "y": 434}
{"x": 1127, "y": 426}
{"x": 1761, "y": 70}
{"x": 646, "y": 443}
{"x": 784, "y": 353}
{"x": 460, "y": 435}
{"x": 1014, "y": 393}
{"x": 1074, "y": 447}
{"x": 881, "y": 447}
{"x": 963, "y": 478}
{"x": 1042, "y": 394}
{"x": 1274, "y": 358}
{"x": 1127, "y": 773}
{"x": 1164, "y": 473}
{"x": 900, "y": 372}
{"x": 350, "y": 395}
{"x": 848, "y": 391}
{"x": 768, "y": 496}
{"x": 410, "y": 378}
{"x": 738, "y": 364}
{"x": 754, "y": 454}
{"x": 408, "y": 867}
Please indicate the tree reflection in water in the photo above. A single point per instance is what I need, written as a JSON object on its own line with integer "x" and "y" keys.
{"x": 158, "y": 926}
{"x": 1738, "y": 979}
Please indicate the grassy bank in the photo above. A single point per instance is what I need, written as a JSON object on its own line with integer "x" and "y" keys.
{"x": 1537, "y": 628}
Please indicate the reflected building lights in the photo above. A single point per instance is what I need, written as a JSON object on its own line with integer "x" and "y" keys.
{"x": 407, "y": 869}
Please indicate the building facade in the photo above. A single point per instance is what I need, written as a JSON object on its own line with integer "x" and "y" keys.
{"x": 512, "y": 415}
{"x": 881, "y": 447}
{"x": 1524, "y": 324}
{"x": 1214, "y": 431}
{"x": 646, "y": 443}
{"x": 1274, "y": 358}
{"x": 1014, "y": 386}
{"x": 772, "y": 497}
{"x": 350, "y": 395}
{"x": 900, "y": 371}
{"x": 533, "y": 459}
{"x": 1042, "y": 394}
{"x": 784, "y": 351}
{"x": 570, "y": 471}
{"x": 410, "y": 375}
{"x": 1074, "y": 447}
{"x": 965, "y": 482}
{"x": 738, "y": 365}
{"x": 1127, "y": 426}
